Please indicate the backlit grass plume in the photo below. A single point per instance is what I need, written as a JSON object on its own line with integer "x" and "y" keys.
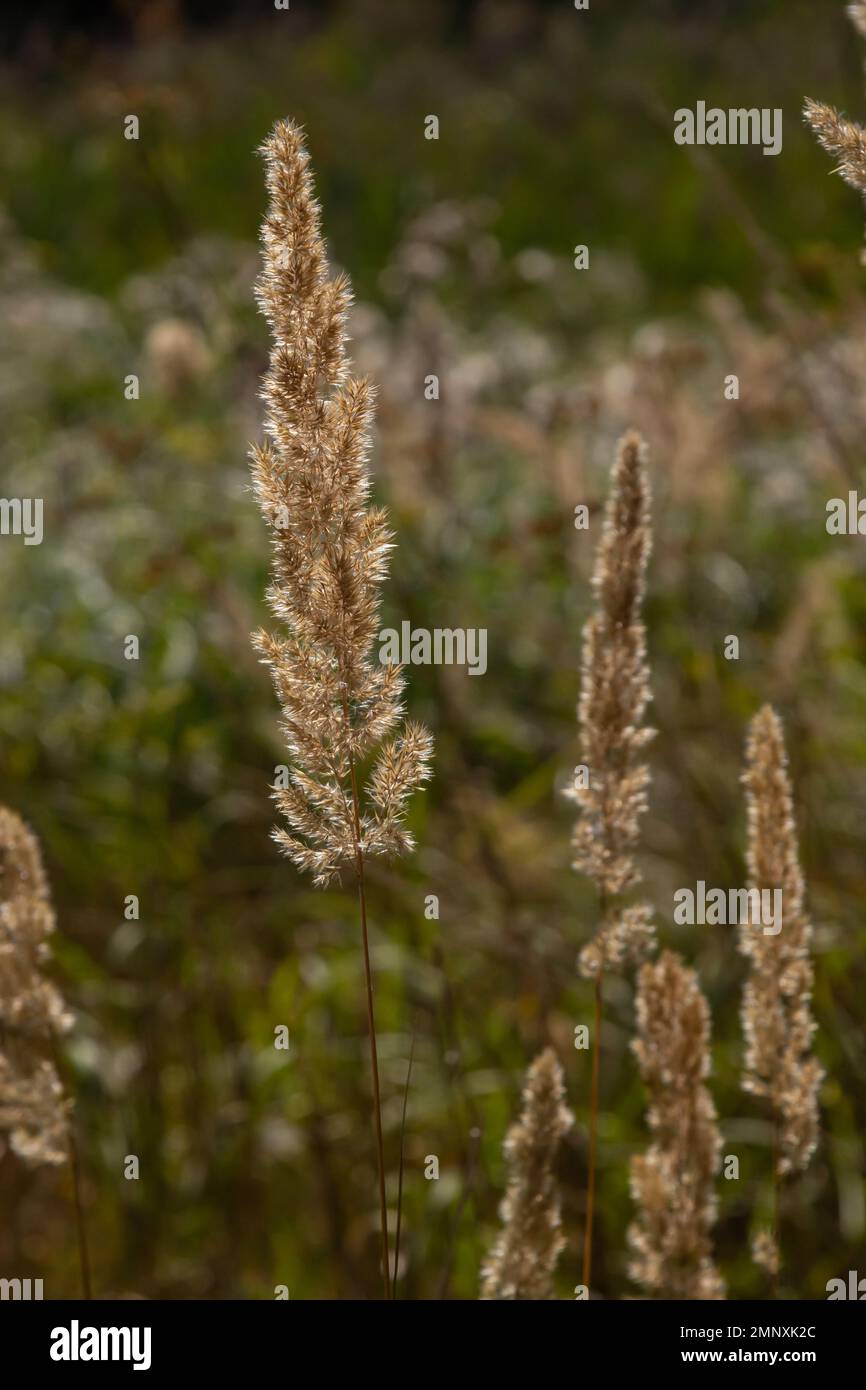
{"x": 342, "y": 708}
{"x": 845, "y": 140}
{"x": 523, "y": 1260}
{"x": 614, "y": 695}
{"x": 330, "y": 551}
{"x": 610, "y": 786}
{"x": 673, "y": 1183}
{"x": 777, "y": 996}
{"x": 33, "y": 1109}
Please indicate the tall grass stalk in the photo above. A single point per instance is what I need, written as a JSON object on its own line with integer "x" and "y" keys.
{"x": 673, "y": 1182}
{"x": 610, "y": 787}
{"x": 593, "y": 1129}
{"x": 522, "y": 1262}
{"x": 402, "y": 1167}
{"x": 341, "y": 708}
{"x": 34, "y": 1109}
{"x": 777, "y": 1021}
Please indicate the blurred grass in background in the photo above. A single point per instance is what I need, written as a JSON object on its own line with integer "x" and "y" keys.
{"x": 151, "y": 778}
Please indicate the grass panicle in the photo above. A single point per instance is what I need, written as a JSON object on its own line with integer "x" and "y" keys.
{"x": 523, "y": 1260}
{"x": 777, "y": 996}
{"x": 611, "y": 791}
{"x": 776, "y": 1013}
{"x": 845, "y": 140}
{"x": 330, "y": 551}
{"x": 673, "y": 1182}
{"x": 34, "y": 1111}
{"x": 614, "y": 695}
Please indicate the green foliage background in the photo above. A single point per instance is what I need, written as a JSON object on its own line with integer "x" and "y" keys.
{"x": 151, "y": 778}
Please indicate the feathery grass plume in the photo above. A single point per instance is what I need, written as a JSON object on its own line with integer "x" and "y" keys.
{"x": 614, "y": 694}
{"x": 330, "y": 550}
{"x": 843, "y": 139}
{"x": 33, "y": 1109}
{"x": 613, "y": 698}
{"x": 673, "y": 1183}
{"x": 522, "y": 1262}
{"x": 777, "y": 995}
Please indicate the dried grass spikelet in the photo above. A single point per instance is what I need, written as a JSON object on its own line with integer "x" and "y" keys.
{"x": 523, "y": 1260}
{"x": 673, "y": 1183}
{"x": 33, "y": 1110}
{"x": 613, "y": 698}
{"x": 627, "y": 935}
{"x": 765, "y": 1252}
{"x": 843, "y": 139}
{"x": 330, "y": 550}
{"x": 776, "y": 1012}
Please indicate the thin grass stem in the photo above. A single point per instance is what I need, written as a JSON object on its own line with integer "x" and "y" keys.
{"x": 400, "y": 1180}
{"x": 371, "y": 1030}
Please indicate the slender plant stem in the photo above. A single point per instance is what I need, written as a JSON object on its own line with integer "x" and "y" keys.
{"x": 593, "y": 1132}
{"x": 776, "y": 1205}
{"x": 400, "y": 1181}
{"x": 371, "y": 1029}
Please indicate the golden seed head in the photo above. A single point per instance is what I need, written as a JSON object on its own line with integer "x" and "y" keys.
{"x": 673, "y": 1182}
{"x": 33, "y": 1111}
{"x": 777, "y": 995}
{"x": 522, "y": 1262}
{"x": 614, "y": 695}
{"x": 330, "y": 549}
